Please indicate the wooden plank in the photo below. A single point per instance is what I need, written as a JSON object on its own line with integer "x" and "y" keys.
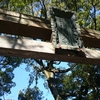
{"x": 25, "y": 44}
{"x": 43, "y": 50}
{"x": 90, "y": 33}
{"x": 91, "y": 42}
{"x": 24, "y": 19}
{"x": 24, "y": 30}
{"x": 91, "y": 38}
{"x": 24, "y": 25}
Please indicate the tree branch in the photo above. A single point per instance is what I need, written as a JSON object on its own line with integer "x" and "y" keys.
{"x": 39, "y": 61}
{"x": 54, "y": 70}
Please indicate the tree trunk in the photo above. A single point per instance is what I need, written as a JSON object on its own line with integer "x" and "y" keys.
{"x": 51, "y": 80}
{"x": 53, "y": 89}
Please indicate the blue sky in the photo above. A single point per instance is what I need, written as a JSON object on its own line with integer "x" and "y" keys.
{"x": 22, "y": 78}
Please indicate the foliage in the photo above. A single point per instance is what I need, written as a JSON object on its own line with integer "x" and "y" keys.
{"x": 30, "y": 94}
{"x": 7, "y": 65}
{"x": 83, "y": 76}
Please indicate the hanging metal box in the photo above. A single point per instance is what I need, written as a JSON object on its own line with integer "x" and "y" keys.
{"x": 65, "y": 30}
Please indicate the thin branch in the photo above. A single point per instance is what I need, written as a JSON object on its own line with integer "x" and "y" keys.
{"x": 61, "y": 71}
{"x": 39, "y": 61}
{"x": 57, "y": 62}
{"x": 64, "y": 71}
{"x": 68, "y": 94}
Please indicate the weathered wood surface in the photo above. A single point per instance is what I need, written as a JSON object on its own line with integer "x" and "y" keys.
{"x": 24, "y": 19}
{"x": 43, "y": 50}
{"x": 25, "y": 44}
{"x": 24, "y": 25}
{"x": 90, "y": 37}
{"x": 29, "y": 26}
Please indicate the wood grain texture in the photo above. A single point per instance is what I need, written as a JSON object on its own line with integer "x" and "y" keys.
{"x": 29, "y": 26}
{"x": 27, "y": 48}
{"x": 24, "y": 25}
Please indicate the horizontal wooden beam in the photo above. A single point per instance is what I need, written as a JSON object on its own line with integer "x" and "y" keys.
{"x": 29, "y": 26}
{"x": 24, "y": 25}
{"x": 27, "y": 48}
{"x": 91, "y": 38}
{"x": 24, "y": 19}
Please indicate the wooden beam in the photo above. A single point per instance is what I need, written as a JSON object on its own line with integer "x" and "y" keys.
{"x": 91, "y": 38}
{"x": 44, "y": 50}
{"x": 24, "y": 25}
{"x": 29, "y": 26}
{"x": 24, "y": 19}
{"x": 25, "y": 44}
